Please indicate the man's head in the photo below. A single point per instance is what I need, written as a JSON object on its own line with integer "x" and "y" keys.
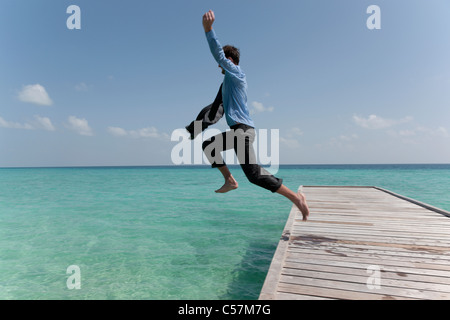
{"x": 231, "y": 53}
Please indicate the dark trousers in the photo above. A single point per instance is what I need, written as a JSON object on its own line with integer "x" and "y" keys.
{"x": 240, "y": 138}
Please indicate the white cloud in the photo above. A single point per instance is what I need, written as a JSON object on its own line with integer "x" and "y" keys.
{"x": 295, "y": 132}
{"x": 406, "y": 133}
{"x": 118, "y": 132}
{"x": 15, "y": 125}
{"x": 344, "y": 141}
{"x": 80, "y": 126}
{"x": 149, "y": 132}
{"x": 291, "y": 137}
{"x": 347, "y": 137}
{"x": 44, "y": 123}
{"x": 443, "y": 132}
{"x": 376, "y": 122}
{"x": 258, "y": 107}
{"x": 39, "y": 123}
{"x": 81, "y": 87}
{"x": 421, "y": 132}
{"x": 291, "y": 143}
{"x": 35, "y": 93}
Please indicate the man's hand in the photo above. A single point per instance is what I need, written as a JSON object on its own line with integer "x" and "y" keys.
{"x": 208, "y": 20}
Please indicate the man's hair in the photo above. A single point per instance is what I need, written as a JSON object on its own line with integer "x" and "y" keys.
{"x": 232, "y": 52}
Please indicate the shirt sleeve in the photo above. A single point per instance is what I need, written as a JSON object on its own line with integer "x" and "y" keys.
{"x": 219, "y": 55}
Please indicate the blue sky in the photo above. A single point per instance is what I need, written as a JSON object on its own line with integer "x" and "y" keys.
{"x": 113, "y": 92}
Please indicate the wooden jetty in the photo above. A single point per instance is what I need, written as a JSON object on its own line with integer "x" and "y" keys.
{"x": 361, "y": 243}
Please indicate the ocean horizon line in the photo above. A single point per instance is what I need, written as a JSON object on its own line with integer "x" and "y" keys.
{"x": 204, "y": 166}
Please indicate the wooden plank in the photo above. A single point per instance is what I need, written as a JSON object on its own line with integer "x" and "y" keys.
{"x": 335, "y": 293}
{"x": 367, "y": 261}
{"x": 375, "y": 232}
{"x": 358, "y": 248}
{"x": 362, "y": 287}
{"x": 370, "y": 225}
{"x": 352, "y": 228}
{"x": 362, "y": 265}
{"x": 386, "y": 274}
{"x": 391, "y": 255}
{"x": 418, "y": 243}
{"x": 422, "y": 204}
{"x": 290, "y": 296}
{"x": 361, "y": 277}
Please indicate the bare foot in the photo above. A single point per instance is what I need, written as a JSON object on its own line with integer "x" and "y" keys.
{"x": 297, "y": 198}
{"x": 301, "y": 204}
{"x": 230, "y": 184}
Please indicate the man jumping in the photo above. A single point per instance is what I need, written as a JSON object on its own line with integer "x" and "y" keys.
{"x": 242, "y": 135}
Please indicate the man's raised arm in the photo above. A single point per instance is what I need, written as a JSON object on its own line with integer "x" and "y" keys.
{"x": 214, "y": 45}
{"x": 208, "y": 20}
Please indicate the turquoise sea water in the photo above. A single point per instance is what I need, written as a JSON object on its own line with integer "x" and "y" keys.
{"x": 162, "y": 232}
